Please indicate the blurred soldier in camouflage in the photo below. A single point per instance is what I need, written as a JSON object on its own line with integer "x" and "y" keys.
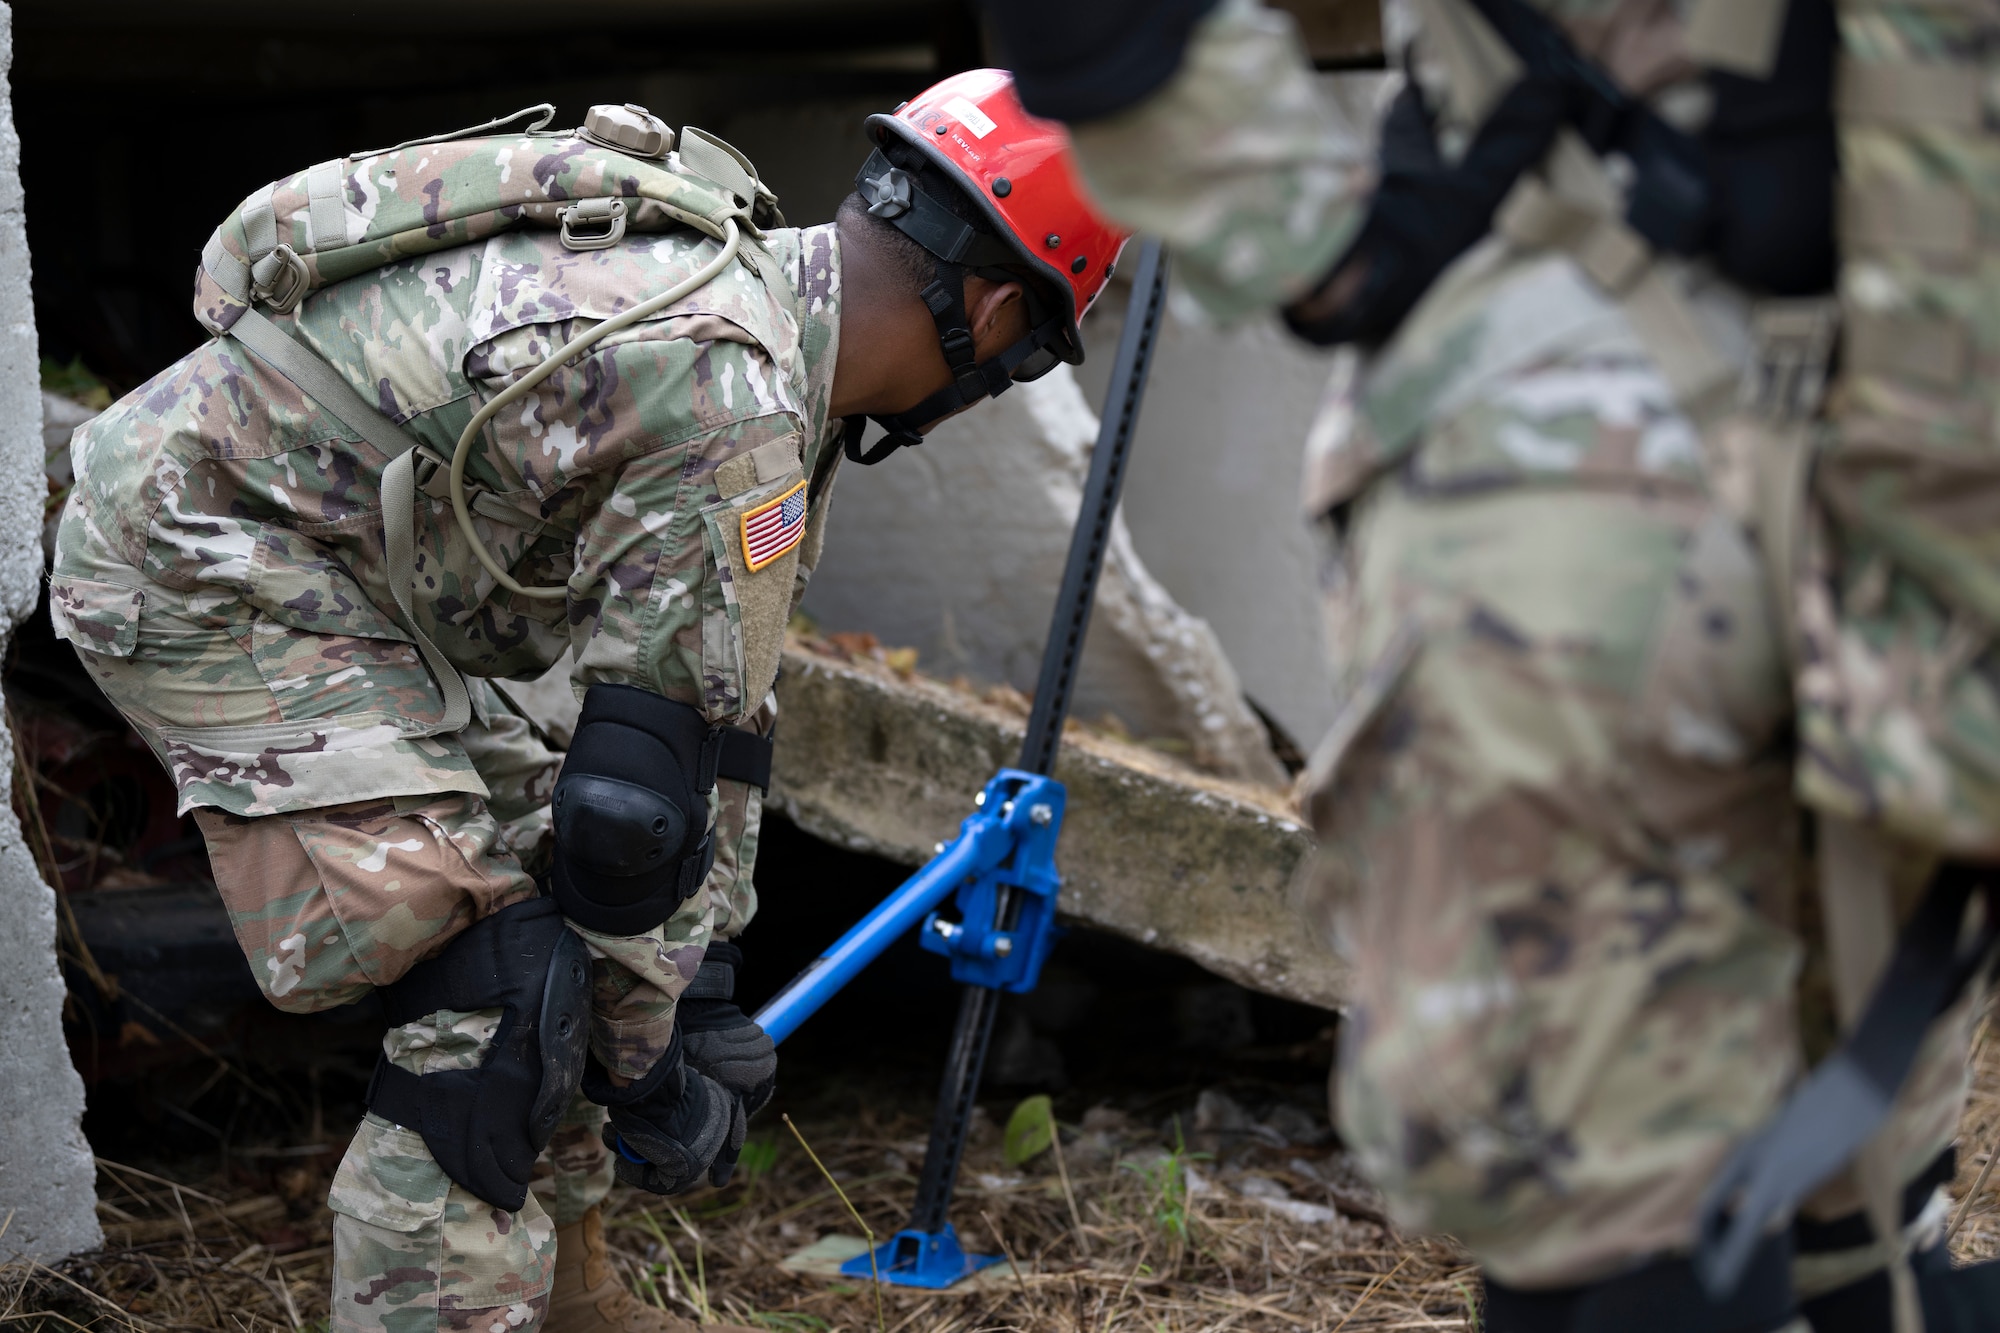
{"x": 1564, "y": 844}
{"x": 231, "y": 571}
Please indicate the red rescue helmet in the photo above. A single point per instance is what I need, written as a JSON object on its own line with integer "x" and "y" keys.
{"x": 1020, "y": 172}
{"x": 1029, "y": 216}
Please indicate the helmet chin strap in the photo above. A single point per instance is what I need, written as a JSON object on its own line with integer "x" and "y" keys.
{"x": 893, "y": 196}
{"x": 972, "y": 379}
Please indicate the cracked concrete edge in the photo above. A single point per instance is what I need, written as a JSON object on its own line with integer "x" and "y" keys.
{"x": 48, "y": 1194}
{"x": 1150, "y": 849}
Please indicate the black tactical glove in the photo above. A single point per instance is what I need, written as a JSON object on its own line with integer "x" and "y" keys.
{"x": 672, "y": 1129}
{"x": 1426, "y": 211}
{"x": 721, "y": 1040}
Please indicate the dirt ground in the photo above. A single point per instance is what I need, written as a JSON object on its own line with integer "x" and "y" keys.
{"x": 1230, "y": 1214}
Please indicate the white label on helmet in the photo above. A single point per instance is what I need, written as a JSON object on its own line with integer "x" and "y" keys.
{"x": 971, "y": 117}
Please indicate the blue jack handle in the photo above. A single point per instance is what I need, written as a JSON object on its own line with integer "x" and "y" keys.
{"x": 981, "y": 846}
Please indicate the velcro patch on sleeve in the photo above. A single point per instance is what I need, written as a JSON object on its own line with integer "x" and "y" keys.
{"x": 774, "y": 527}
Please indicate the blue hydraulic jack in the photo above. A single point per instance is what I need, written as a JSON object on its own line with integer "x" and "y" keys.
{"x": 1001, "y": 866}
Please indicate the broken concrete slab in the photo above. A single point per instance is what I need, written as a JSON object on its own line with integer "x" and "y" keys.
{"x": 1151, "y": 849}
{"x": 956, "y": 549}
{"x": 47, "y": 1178}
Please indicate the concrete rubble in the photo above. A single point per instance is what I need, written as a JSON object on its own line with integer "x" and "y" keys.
{"x": 48, "y": 1197}
{"x": 956, "y": 549}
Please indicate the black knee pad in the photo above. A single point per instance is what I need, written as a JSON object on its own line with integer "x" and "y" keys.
{"x": 487, "y": 1125}
{"x": 1664, "y": 1296}
{"x": 631, "y": 808}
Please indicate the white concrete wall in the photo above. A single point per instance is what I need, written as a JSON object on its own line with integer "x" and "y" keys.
{"x": 47, "y": 1192}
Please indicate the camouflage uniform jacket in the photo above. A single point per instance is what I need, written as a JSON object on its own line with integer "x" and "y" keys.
{"x": 217, "y": 498}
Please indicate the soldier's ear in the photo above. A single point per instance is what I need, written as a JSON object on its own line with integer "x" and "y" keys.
{"x": 999, "y": 313}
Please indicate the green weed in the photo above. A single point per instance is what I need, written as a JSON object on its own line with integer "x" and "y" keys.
{"x": 1166, "y": 1180}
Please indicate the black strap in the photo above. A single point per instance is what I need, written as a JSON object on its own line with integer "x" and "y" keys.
{"x": 988, "y": 379}
{"x": 394, "y": 1095}
{"x": 1669, "y": 201}
{"x": 1845, "y": 1100}
{"x": 1662, "y": 1297}
{"x": 856, "y": 427}
{"x": 744, "y": 756}
{"x": 704, "y": 751}
{"x": 695, "y": 867}
{"x": 894, "y": 196}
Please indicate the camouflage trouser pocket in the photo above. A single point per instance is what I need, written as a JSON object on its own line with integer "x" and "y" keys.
{"x": 258, "y": 719}
{"x": 95, "y": 615}
{"x": 331, "y": 903}
{"x": 412, "y": 1249}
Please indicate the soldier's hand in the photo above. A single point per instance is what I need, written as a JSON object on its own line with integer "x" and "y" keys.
{"x": 673, "y": 1129}
{"x": 722, "y": 1041}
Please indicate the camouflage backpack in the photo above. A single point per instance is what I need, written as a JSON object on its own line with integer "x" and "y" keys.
{"x": 619, "y": 172}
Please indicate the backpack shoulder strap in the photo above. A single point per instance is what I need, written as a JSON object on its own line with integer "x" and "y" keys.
{"x": 326, "y": 386}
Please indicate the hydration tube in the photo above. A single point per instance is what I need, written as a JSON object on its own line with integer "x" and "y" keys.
{"x": 708, "y": 273}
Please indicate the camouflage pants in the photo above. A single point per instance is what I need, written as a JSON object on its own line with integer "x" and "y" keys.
{"x": 346, "y": 863}
{"x": 1564, "y": 858}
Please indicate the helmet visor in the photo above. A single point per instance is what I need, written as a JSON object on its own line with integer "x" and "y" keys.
{"x": 1037, "y": 364}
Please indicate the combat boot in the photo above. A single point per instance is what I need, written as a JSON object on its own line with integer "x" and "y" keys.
{"x": 589, "y": 1298}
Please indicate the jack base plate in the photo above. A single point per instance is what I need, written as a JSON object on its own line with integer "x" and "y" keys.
{"x": 931, "y": 1259}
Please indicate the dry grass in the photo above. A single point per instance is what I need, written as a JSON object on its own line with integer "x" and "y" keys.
{"x": 1977, "y": 1188}
{"x": 1146, "y": 1237}
{"x": 1230, "y": 1231}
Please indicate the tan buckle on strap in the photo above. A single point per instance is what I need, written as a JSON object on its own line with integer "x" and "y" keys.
{"x": 1786, "y": 379}
{"x": 279, "y": 280}
{"x": 593, "y": 224}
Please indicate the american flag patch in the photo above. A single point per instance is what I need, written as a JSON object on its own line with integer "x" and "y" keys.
{"x": 774, "y": 527}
